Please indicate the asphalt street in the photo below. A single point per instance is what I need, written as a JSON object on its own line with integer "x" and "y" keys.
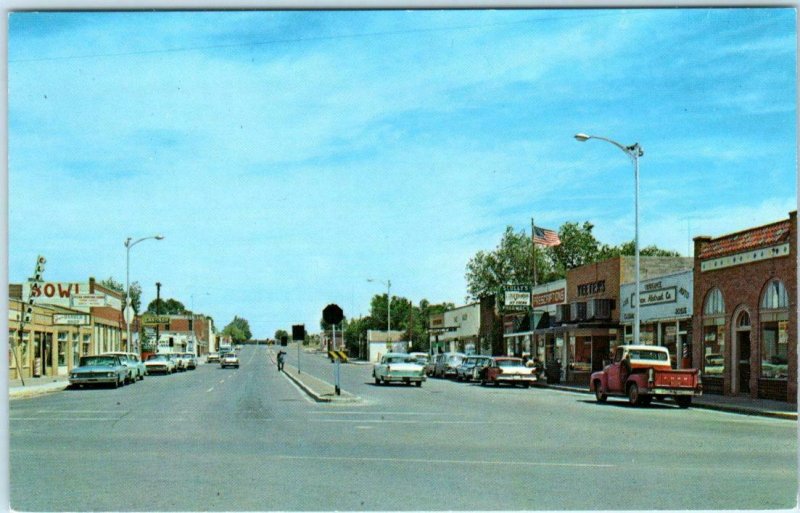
{"x": 248, "y": 439}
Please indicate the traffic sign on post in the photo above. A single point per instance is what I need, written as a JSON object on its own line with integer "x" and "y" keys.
{"x": 299, "y": 332}
{"x": 332, "y": 314}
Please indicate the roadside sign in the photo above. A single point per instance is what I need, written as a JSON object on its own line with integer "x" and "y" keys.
{"x": 128, "y": 314}
{"x": 332, "y": 314}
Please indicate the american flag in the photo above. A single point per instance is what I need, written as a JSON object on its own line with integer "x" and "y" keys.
{"x": 545, "y": 237}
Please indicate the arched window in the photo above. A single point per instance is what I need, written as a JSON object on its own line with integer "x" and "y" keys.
{"x": 714, "y": 303}
{"x": 774, "y": 322}
{"x": 775, "y": 296}
{"x": 743, "y": 321}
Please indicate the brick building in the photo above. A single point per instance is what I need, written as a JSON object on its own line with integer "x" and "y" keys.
{"x": 745, "y": 311}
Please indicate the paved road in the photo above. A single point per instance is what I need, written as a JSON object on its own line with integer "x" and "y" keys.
{"x": 248, "y": 439}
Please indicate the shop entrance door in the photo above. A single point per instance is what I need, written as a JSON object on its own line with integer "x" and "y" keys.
{"x": 743, "y": 343}
{"x": 47, "y": 355}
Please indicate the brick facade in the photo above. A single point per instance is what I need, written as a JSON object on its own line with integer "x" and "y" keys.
{"x": 742, "y": 286}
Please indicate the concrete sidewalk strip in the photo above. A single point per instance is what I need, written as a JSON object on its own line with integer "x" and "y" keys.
{"x": 35, "y": 387}
{"x": 319, "y": 390}
{"x": 718, "y": 403}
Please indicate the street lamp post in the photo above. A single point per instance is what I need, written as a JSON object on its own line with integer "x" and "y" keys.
{"x": 633, "y": 151}
{"x": 128, "y": 246}
{"x": 388, "y": 284}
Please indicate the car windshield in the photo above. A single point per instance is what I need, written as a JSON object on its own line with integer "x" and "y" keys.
{"x": 399, "y": 359}
{"x": 97, "y": 360}
{"x": 509, "y": 363}
{"x": 644, "y": 354}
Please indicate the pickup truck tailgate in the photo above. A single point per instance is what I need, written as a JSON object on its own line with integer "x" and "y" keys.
{"x": 676, "y": 378}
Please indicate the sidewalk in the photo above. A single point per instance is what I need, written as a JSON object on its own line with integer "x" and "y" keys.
{"x": 732, "y": 404}
{"x": 36, "y": 386}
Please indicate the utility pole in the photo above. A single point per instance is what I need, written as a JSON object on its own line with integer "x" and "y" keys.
{"x": 158, "y": 312}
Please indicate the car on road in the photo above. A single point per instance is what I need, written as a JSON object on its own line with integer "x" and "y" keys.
{"x": 229, "y": 360}
{"x": 191, "y": 361}
{"x": 422, "y": 358}
{"x": 400, "y": 368}
{"x": 212, "y": 357}
{"x": 180, "y": 361}
{"x": 509, "y": 370}
{"x": 99, "y": 370}
{"x": 160, "y": 364}
{"x": 136, "y": 367}
{"x": 446, "y": 364}
{"x": 471, "y": 366}
{"x": 643, "y": 373}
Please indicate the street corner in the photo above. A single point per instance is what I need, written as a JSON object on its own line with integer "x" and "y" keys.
{"x": 36, "y": 390}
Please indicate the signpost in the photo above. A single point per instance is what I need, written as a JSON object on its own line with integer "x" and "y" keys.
{"x": 333, "y": 315}
{"x": 299, "y": 335}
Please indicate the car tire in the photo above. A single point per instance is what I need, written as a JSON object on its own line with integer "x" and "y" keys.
{"x": 633, "y": 395}
{"x": 599, "y": 393}
{"x": 526, "y": 385}
{"x": 419, "y": 383}
{"x": 116, "y": 383}
{"x": 483, "y": 382}
{"x": 683, "y": 401}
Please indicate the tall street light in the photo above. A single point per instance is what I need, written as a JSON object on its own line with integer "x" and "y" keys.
{"x": 128, "y": 246}
{"x": 388, "y": 284}
{"x": 633, "y": 151}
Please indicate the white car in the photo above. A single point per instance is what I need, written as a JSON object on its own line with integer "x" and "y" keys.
{"x": 160, "y": 363}
{"x": 399, "y": 367}
{"x": 229, "y": 360}
{"x": 136, "y": 368}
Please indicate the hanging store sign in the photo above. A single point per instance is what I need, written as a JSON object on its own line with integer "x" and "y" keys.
{"x": 517, "y": 300}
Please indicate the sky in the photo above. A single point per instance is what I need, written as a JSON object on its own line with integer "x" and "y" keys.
{"x": 289, "y": 156}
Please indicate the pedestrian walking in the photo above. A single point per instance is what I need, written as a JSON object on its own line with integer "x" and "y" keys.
{"x": 281, "y": 358}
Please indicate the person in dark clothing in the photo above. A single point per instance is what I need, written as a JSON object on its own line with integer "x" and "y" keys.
{"x": 281, "y": 358}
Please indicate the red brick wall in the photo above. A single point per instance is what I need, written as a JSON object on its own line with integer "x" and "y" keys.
{"x": 741, "y": 288}
{"x": 608, "y": 271}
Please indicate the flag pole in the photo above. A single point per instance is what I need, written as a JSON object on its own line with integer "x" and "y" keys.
{"x": 533, "y": 251}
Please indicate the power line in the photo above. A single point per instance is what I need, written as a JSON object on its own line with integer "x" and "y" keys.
{"x": 312, "y": 39}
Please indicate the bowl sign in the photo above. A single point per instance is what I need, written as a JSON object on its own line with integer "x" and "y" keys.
{"x": 517, "y": 300}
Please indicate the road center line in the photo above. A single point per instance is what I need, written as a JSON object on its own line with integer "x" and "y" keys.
{"x": 375, "y": 413}
{"x": 378, "y": 421}
{"x": 446, "y": 462}
{"x": 210, "y": 389}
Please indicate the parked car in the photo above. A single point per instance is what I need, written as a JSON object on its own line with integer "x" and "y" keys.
{"x": 180, "y": 361}
{"x": 136, "y": 367}
{"x": 509, "y": 370}
{"x": 99, "y": 369}
{"x": 212, "y": 357}
{"x": 229, "y": 360}
{"x": 470, "y": 367}
{"x": 421, "y": 358}
{"x": 160, "y": 363}
{"x": 446, "y": 364}
{"x": 191, "y": 361}
{"x": 398, "y": 367}
{"x": 643, "y": 373}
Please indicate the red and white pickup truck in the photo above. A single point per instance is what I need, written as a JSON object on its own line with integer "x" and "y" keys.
{"x": 642, "y": 373}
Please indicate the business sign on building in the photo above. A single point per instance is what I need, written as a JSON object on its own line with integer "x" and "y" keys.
{"x": 89, "y": 300}
{"x": 553, "y": 297}
{"x": 518, "y": 298}
{"x": 65, "y": 294}
{"x": 665, "y": 297}
{"x": 71, "y": 319}
{"x": 153, "y": 320}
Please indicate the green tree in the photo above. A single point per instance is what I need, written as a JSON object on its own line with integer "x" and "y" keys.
{"x": 578, "y": 247}
{"x": 166, "y": 307}
{"x": 511, "y": 263}
{"x": 629, "y": 249}
{"x": 135, "y": 291}
{"x": 279, "y": 334}
{"x": 238, "y": 329}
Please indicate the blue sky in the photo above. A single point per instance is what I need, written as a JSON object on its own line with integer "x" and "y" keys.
{"x": 289, "y": 156}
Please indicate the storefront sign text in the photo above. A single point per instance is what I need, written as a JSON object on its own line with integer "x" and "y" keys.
{"x": 517, "y": 300}
{"x": 590, "y": 289}
{"x": 72, "y": 319}
{"x": 89, "y": 300}
{"x": 554, "y": 297}
{"x": 746, "y": 257}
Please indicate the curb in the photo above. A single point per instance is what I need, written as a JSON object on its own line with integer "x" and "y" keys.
{"x": 741, "y": 410}
{"x": 35, "y": 391}
{"x": 349, "y": 398}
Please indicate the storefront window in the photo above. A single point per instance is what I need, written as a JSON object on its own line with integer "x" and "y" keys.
{"x": 76, "y": 349}
{"x": 713, "y": 356}
{"x": 775, "y": 331}
{"x": 582, "y": 354}
{"x": 63, "y": 339}
{"x": 669, "y": 339}
{"x": 714, "y": 333}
